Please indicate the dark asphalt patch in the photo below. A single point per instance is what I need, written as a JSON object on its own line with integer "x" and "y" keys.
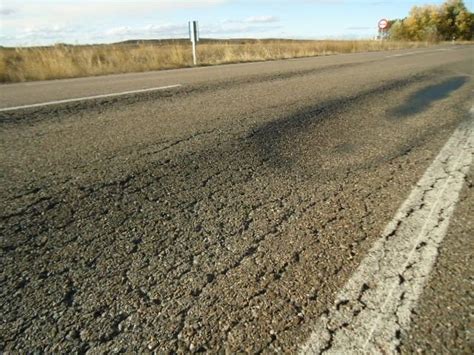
{"x": 273, "y": 139}
{"x": 422, "y": 99}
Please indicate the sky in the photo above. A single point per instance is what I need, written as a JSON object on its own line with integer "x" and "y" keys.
{"x": 43, "y": 22}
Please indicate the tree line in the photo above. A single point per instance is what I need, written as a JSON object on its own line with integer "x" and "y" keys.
{"x": 448, "y": 21}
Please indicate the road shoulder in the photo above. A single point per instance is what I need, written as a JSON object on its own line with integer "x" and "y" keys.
{"x": 442, "y": 322}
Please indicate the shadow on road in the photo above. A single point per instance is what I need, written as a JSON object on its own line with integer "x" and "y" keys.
{"x": 284, "y": 142}
{"x": 422, "y": 99}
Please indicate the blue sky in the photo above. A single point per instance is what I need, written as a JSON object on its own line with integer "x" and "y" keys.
{"x": 40, "y": 22}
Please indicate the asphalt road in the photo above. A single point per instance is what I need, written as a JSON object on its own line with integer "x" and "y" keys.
{"x": 227, "y": 213}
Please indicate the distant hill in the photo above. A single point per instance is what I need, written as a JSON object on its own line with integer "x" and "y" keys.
{"x": 203, "y": 40}
{"x": 158, "y": 42}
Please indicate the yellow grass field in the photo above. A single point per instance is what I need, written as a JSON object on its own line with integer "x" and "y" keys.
{"x": 67, "y": 61}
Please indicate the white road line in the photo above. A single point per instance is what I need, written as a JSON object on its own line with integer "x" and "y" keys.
{"x": 418, "y": 52}
{"x": 88, "y": 98}
{"x": 403, "y": 54}
{"x": 373, "y": 309}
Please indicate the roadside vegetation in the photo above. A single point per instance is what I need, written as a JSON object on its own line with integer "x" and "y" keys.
{"x": 424, "y": 25}
{"x": 448, "y": 21}
{"x": 67, "y": 61}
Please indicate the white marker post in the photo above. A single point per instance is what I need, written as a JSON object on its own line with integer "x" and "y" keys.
{"x": 194, "y": 37}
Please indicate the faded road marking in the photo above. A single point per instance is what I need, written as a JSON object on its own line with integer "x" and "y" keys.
{"x": 88, "y": 98}
{"x": 374, "y": 307}
{"x": 417, "y": 52}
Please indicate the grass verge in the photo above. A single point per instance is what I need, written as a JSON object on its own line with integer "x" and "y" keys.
{"x": 66, "y": 61}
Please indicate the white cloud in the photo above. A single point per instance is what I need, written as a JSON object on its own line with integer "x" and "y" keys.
{"x": 224, "y": 31}
{"x": 34, "y": 21}
{"x": 218, "y": 30}
{"x": 44, "y": 12}
{"x": 107, "y": 7}
{"x": 38, "y": 35}
{"x": 46, "y": 35}
{"x": 142, "y": 32}
{"x": 253, "y": 26}
{"x": 262, "y": 19}
{"x": 6, "y": 11}
{"x": 253, "y": 20}
{"x": 359, "y": 28}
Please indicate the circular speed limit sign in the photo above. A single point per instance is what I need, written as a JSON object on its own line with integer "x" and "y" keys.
{"x": 383, "y": 24}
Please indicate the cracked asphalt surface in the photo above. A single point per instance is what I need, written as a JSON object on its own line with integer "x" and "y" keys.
{"x": 375, "y": 307}
{"x": 221, "y": 216}
{"x": 443, "y": 321}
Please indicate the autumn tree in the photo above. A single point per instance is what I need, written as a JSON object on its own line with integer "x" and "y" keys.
{"x": 451, "y": 20}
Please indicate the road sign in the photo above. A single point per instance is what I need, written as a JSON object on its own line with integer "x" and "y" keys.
{"x": 383, "y": 24}
{"x": 193, "y": 31}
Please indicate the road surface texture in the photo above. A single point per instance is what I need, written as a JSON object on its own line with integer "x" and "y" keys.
{"x": 227, "y": 214}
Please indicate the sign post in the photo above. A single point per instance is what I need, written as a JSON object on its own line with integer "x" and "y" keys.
{"x": 383, "y": 28}
{"x": 194, "y": 37}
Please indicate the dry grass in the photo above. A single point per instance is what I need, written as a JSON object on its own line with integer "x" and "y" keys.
{"x": 63, "y": 61}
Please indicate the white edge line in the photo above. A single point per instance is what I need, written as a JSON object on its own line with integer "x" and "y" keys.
{"x": 456, "y": 141}
{"x": 88, "y": 98}
{"x": 418, "y": 52}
